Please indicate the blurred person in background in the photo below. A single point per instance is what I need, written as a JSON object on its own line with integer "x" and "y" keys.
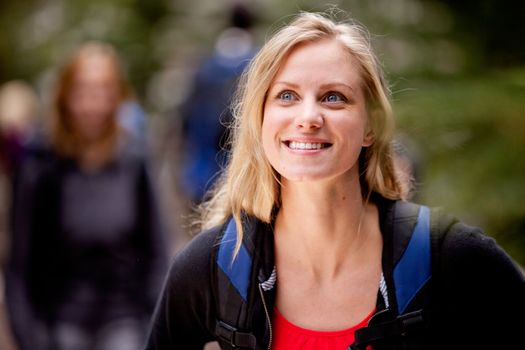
{"x": 88, "y": 249}
{"x": 132, "y": 118}
{"x": 19, "y": 112}
{"x": 205, "y": 113}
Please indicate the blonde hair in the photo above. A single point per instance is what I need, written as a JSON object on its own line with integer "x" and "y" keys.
{"x": 249, "y": 184}
{"x": 62, "y": 137}
{"x": 19, "y": 106}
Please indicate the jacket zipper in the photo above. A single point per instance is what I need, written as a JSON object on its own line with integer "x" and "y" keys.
{"x": 267, "y": 316}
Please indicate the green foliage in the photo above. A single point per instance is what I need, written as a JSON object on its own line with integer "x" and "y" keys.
{"x": 36, "y": 36}
{"x": 470, "y": 133}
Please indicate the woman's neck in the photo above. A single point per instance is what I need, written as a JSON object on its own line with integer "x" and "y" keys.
{"x": 325, "y": 226}
{"x": 95, "y": 155}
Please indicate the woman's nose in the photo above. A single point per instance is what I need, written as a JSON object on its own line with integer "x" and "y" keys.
{"x": 310, "y": 117}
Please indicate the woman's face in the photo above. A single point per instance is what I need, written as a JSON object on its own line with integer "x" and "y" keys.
{"x": 315, "y": 118}
{"x": 94, "y": 97}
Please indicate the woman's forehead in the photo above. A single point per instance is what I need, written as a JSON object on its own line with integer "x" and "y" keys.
{"x": 325, "y": 61}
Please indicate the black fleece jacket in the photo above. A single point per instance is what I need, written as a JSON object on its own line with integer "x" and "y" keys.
{"x": 478, "y": 303}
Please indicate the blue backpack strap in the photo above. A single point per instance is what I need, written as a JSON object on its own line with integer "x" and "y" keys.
{"x": 413, "y": 270}
{"x": 237, "y": 270}
{"x": 233, "y": 285}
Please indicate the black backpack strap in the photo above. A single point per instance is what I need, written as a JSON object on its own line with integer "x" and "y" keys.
{"x": 233, "y": 278}
{"x": 440, "y": 224}
{"x": 412, "y": 254}
{"x": 390, "y": 332}
{"x": 234, "y": 338}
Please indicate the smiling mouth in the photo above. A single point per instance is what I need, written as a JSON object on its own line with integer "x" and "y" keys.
{"x": 306, "y": 145}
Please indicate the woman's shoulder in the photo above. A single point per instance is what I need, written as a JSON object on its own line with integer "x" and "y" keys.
{"x": 468, "y": 255}
{"x": 193, "y": 260}
{"x": 462, "y": 244}
{"x": 455, "y": 237}
{"x": 185, "y": 313}
{"x": 465, "y": 241}
{"x": 461, "y": 248}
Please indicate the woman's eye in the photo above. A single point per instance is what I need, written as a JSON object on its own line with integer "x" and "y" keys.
{"x": 286, "y": 96}
{"x": 334, "y": 97}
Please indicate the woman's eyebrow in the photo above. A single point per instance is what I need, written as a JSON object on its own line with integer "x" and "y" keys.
{"x": 337, "y": 85}
{"x": 286, "y": 83}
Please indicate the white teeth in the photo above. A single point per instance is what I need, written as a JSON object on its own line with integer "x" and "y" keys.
{"x": 304, "y": 145}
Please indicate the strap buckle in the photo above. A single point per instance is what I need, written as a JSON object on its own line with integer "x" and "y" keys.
{"x": 411, "y": 321}
{"x": 235, "y": 338}
{"x": 394, "y": 330}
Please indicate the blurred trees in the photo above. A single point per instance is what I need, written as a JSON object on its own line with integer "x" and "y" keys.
{"x": 494, "y": 27}
{"x": 36, "y": 35}
{"x": 457, "y": 70}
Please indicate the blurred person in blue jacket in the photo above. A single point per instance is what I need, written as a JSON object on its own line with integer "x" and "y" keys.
{"x": 206, "y": 112}
{"x": 132, "y": 118}
{"x": 88, "y": 250}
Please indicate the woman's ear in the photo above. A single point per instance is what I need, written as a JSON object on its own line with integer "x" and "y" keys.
{"x": 369, "y": 138}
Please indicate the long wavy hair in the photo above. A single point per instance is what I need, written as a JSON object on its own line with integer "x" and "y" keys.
{"x": 249, "y": 184}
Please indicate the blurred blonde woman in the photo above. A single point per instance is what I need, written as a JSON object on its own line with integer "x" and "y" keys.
{"x": 19, "y": 116}
{"x": 19, "y": 112}
{"x": 88, "y": 251}
{"x": 307, "y": 240}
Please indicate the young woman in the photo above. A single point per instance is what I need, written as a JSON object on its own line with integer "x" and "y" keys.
{"x": 317, "y": 212}
{"x": 87, "y": 250}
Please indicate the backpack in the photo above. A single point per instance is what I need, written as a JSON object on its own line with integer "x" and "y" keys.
{"x": 416, "y": 234}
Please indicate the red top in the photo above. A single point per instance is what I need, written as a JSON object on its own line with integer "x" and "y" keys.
{"x": 288, "y": 336}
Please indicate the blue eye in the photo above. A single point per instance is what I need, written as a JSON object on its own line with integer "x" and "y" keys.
{"x": 333, "y": 97}
{"x": 286, "y": 96}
